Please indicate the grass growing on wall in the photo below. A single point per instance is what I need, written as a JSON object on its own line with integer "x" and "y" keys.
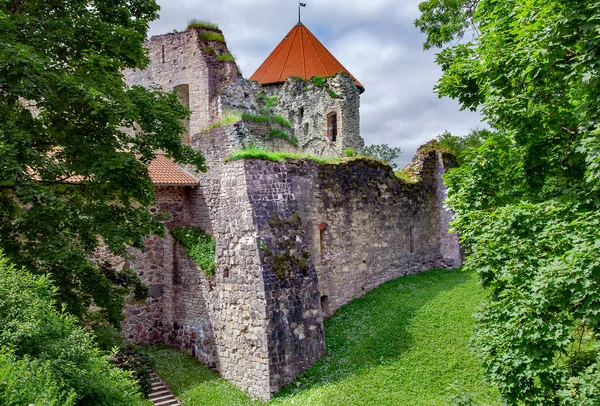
{"x": 198, "y": 245}
{"x": 225, "y": 57}
{"x": 284, "y": 136}
{"x": 257, "y": 153}
{"x": 212, "y": 36}
{"x": 196, "y": 23}
{"x": 405, "y": 343}
{"x": 281, "y": 120}
{"x": 260, "y": 119}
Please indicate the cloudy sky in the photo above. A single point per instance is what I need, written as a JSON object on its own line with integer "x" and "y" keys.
{"x": 374, "y": 39}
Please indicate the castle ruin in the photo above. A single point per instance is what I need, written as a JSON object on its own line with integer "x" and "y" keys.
{"x": 296, "y": 240}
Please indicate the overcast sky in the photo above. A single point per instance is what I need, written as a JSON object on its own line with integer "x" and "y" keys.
{"x": 374, "y": 39}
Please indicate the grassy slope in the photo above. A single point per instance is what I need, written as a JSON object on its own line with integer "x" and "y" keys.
{"x": 404, "y": 343}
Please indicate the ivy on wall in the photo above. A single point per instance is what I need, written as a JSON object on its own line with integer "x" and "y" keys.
{"x": 198, "y": 245}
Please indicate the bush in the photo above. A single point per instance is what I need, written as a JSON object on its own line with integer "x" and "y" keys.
{"x": 198, "y": 245}
{"x": 349, "y": 152}
{"x": 131, "y": 358}
{"x": 26, "y": 382}
{"x": 36, "y": 333}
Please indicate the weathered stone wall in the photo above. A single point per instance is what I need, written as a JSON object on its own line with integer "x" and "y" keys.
{"x": 183, "y": 61}
{"x": 178, "y": 311}
{"x": 306, "y": 106}
{"x": 329, "y": 233}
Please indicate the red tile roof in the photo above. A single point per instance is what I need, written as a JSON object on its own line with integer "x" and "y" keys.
{"x": 165, "y": 172}
{"x": 299, "y": 54}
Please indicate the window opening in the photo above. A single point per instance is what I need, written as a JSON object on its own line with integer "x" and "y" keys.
{"x": 332, "y": 127}
{"x": 183, "y": 94}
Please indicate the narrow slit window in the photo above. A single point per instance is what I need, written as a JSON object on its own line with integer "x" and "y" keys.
{"x": 332, "y": 127}
{"x": 183, "y": 94}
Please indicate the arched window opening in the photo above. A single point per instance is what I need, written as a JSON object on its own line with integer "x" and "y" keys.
{"x": 332, "y": 127}
{"x": 183, "y": 94}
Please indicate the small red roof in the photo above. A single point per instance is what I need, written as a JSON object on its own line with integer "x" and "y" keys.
{"x": 299, "y": 54}
{"x": 165, "y": 172}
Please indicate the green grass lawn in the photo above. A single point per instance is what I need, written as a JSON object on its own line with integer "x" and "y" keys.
{"x": 405, "y": 343}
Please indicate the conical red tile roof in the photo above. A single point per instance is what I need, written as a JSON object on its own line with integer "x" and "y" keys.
{"x": 299, "y": 54}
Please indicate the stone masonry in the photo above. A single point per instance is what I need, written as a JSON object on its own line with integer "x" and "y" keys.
{"x": 296, "y": 240}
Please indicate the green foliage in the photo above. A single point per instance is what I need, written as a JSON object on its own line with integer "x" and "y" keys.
{"x": 333, "y": 94}
{"x": 383, "y": 152}
{"x": 198, "y": 245}
{"x": 281, "y": 120}
{"x": 319, "y": 81}
{"x": 25, "y": 382}
{"x": 272, "y": 101}
{"x": 32, "y": 330}
{"x": 212, "y": 36}
{"x": 526, "y": 201}
{"x": 404, "y": 343}
{"x": 73, "y": 171}
{"x": 261, "y": 97}
{"x": 406, "y": 175}
{"x": 196, "y": 23}
{"x": 460, "y": 146}
{"x": 131, "y": 358}
{"x": 231, "y": 116}
{"x": 209, "y": 50}
{"x": 349, "y": 152}
{"x": 259, "y": 119}
{"x": 280, "y": 134}
{"x": 225, "y": 57}
{"x": 256, "y": 153}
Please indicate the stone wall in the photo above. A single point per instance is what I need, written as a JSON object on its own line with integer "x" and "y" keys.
{"x": 306, "y": 106}
{"x": 187, "y": 63}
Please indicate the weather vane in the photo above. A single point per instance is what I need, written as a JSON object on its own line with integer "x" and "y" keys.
{"x": 301, "y": 5}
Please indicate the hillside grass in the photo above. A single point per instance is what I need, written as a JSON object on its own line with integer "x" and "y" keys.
{"x": 404, "y": 343}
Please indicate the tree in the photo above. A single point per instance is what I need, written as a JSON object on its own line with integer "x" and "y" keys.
{"x": 460, "y": 146}
{"x": 526, "y": 201}
{"x": 75, "y": 142}
{"x": 51, "y": 359}
{"x": 383, "y": 152}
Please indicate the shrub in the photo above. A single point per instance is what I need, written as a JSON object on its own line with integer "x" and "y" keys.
{"x": 198, "y": 245}
{"x": 196, "y": 23}
{"x": 34, "y": 331}
{"x": 349, "y": 152}
{"x": 212, "y": 36}
{"x": 26, "y": 382}
{"x": 131, "y": 358}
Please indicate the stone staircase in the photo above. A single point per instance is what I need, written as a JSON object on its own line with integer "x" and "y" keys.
{"x": 161, "y": 395}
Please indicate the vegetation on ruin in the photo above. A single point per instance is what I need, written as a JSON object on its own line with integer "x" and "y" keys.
{"x": 209, "y": 50}
{"x": 406, "y": 175}
{"x": 271, "y": 101}
{"x": 257, "y": 153}
{"x": 197, "y": 23}
{"x": 284, "y": 136}
{"x": 318, "y": 81}
{"x": 527, "y": 200}
{"x": 231, "y": 116}
{"x": 212, "y": 36}
{"x": 257, "y": 118}
{"x": 282, "y": 120}
{"x": 404, "y": 343}
{"x": 75, "y": 175}
{"x": 225, "y": 57}
{"x": 198, "y": 245}
{"x": 333, "y": 94}
{"x": 45, "y": 356}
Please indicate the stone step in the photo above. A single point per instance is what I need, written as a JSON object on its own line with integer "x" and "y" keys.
{"x": 161, "y": 394}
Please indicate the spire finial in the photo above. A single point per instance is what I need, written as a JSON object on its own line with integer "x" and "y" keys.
{"x": 299, "y": 19}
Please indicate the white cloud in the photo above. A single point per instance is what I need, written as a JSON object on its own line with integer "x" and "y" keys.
{"x": 375, "y": 40}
